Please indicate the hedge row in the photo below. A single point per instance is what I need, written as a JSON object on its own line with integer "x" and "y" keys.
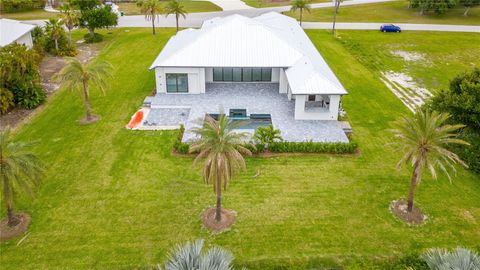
{"x": 313, "y": 147}
{"x": 9, "y": 6}
{"x": 282, "y": 147}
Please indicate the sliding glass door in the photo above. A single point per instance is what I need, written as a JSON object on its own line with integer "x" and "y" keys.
{"x": 177, "y": 83}
{"x": 242, "y": 74}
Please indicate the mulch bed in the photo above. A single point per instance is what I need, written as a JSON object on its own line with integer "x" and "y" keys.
{"x": 49, "y": 66}
{"x": 399, "y": 209}
{"x": 7, "y": 232}
{"x": 227, "y": 220}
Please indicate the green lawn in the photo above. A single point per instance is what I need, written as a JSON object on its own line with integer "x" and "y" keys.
{"x": 114, "y": 198}
{"x": 274, "y": 3}
{"x": 390, "y": 12}
{"x": 30, "y": 15}
{"x": 190, "y": 7}
{"x": 438, "y": 64}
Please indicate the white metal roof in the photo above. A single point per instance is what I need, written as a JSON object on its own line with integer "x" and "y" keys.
{"x": 269, "y": 40}
{"x": 11, "y": 30}
{"x": 233, "y": 41}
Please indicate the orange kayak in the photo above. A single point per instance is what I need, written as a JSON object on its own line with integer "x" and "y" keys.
{"x": 136, "y": 119}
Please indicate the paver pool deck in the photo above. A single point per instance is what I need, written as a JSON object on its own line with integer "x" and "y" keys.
{"x": 256, "y": 98}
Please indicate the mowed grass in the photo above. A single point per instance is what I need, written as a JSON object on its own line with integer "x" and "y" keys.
{"x": 114, "y": 198}
{"x": 190, "y": 7}
{"x": 29, "y": 15}
{"x": 442, "y": 56}
{"x": 390, "y": 12}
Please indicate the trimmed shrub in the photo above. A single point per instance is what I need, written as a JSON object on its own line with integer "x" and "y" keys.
{"x": 6, "y": 100}
{"x": 313, "y": 147}
{"x": 179, "y": 146}
{"x": 469, "y": 153}
{"x": 29, "y": 95}
{"x": 255, "y": 148}
{"x": 19, "y": 73}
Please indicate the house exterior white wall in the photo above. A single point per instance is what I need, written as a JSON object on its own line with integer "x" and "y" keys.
{"x": 26, "y": 40}
{"x": 282, "y": 82}
{"x": 331, "y": 114}
{"x": 196, "y": 78}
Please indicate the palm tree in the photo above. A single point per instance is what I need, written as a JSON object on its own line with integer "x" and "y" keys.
{"x": 175, "y": 7}
{"x": 77, "y": 76}
{"x": 337, "y": 6}
{"x": 222, "y": 149}
{"x": 191, "y": 256}
{"x": 423, "y": 137}
{"x": 20, "y": 170}
{"x": 71, "y": 18}
{"x": 459, "y": 259}
{"x": 54, "y": 28}
{"x": 300, "y": 5}
{"x": 151, "y": 9}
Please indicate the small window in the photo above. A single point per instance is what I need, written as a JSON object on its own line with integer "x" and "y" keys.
{"x": 177, "y": 83}
{"x": 311, "y": 97}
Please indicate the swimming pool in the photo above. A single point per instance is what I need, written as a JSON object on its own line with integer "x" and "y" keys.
{"x": 250, "y": 122}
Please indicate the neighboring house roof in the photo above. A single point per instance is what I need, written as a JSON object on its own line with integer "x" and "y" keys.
{"x": 11, "y": 30}
{"x": 269, "y": 40}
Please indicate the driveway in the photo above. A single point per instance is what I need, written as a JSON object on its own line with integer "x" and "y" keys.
{"x": 227, "y": 5}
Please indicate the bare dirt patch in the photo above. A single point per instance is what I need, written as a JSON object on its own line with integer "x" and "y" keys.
{"x": 409, "y": 56}
{"x": 49, "y": 66}
{"x": 7, "y": 232}
{"x": 415, "y": 217}
{"x": 227, "y": 220}
{"x": 406, "y": 89}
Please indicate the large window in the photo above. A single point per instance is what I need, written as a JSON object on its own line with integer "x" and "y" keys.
{"x": 177, "y": 83}
{"x": 242, "y": 74}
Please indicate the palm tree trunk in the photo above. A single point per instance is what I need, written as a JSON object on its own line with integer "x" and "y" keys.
{"x": 56, "y": 44}
{"x": 335, "y": 16}
{"x": 153, "y": 23}
{"x": 176, "y": 17}
{"x": 413, "y": 185}
{"x": 69, "y": 37}
{"x": 466, "y": 11}
{"x": 87, "y": 100}
{"x": 12, "y": 219}
{"x": 218, "y": 209}
{"x": 301, "y": 16}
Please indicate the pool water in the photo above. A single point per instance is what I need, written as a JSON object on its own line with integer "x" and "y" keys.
{"x": 251, "y": 122}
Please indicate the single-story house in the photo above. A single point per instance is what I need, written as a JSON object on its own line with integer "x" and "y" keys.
{"x": 12, "y": 31}
{"x": 264, "y": 69}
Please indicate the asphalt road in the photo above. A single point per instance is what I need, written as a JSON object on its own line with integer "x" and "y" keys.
{"x": 196, "y": 20}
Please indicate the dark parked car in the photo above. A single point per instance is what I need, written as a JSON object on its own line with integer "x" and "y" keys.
{"x": 390, "y": 28}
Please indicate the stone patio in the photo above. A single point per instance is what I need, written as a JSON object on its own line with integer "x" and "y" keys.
{"x": 257, "y": 98}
